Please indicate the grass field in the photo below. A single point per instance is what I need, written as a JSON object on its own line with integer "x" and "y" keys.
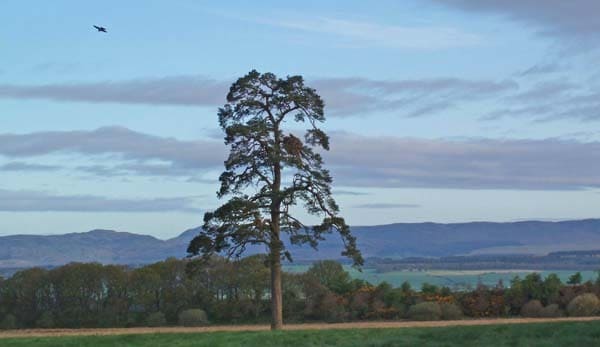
{"x": 532, "y": 334}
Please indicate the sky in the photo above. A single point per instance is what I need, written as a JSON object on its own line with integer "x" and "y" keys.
{"x": 438, "y": 110}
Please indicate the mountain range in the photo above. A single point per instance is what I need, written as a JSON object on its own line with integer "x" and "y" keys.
{"x": 383, "y": 241}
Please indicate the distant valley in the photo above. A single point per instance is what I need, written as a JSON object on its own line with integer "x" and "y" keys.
{"x": 394, "y": 241}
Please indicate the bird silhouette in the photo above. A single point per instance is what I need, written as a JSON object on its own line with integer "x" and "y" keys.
{"x": 100, "y": 29}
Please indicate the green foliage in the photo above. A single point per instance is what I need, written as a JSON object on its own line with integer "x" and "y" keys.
{"x": 483, "y": 302}
{"x": 584, "y": 305}
{"x": 400, "y": 298}
{"x": 8, "y": 322}
{"x": 551, "y": 311}
{"x": 451, "y": 311}
{"x": 533, "y": 285}
{"x": 262, "y": 152}
{"x": 27, "y": 290}
{"x": 262, "y": 155}
{"x": 425, "y": 311}
{"x": 532, "y": 308}
{"x": 46, "y": 321}
{"x": 427, "y": 288}
{"x": 332, "y": 275}
{"x": 515, "y": 296}
{"x": 321, "y": 302}
{"x": 445, "y": 291}
{"x": 551, "y": 292}
{"x": 193, "y": 318}
{"x": 294, "y": 300}
{"x": 533, "y": 288}
{"x": 232, "y": 292}
{"x": 79, "y": 289}
{"x": 576, "y": 278}
{"x": 156, "y": 319}
{"x": 330, "y": 308}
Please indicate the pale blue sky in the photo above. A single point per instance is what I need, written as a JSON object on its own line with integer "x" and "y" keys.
{"x": 439, "y": 110}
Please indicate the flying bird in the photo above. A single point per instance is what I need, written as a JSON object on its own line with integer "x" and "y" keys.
{"x": 100, "y": 29}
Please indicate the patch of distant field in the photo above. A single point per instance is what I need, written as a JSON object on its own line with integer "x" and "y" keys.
{"x": 450, "y": 278}
{"x": 533, "y": 334}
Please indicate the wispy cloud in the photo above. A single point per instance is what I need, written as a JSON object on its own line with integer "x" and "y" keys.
{"x": 23, "y": 166}
{"x": 546, "y": 90}
{"x": 571, "y": 20}
{"x": 362, "y": 33}
{"x": 343, "y": 96}
{"x": 386, "y": 206}
{"x": 121, "y": 143}
{"x": 408, "y": 98}
{"x": 540, "y": 69}
{"x": 355, "y": 160}
{"x": 172, "y": 90}
{"x": 35, "y": 201}
{"x": 349, "y": 192}
{"x": 551, "y": 100}
{"x": 550, "y": 164}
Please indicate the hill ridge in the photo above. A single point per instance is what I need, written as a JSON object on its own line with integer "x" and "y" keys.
{"x": 427, "y": 239}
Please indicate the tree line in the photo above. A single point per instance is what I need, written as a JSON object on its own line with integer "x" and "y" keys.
{"x": 219, "y": 291}
{"x": 581, "y": 260}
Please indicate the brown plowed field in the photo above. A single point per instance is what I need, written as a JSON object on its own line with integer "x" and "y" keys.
{"x": 308, "y": 326}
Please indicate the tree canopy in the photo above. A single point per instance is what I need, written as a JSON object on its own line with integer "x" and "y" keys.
{"x": 262, "y": 156}
{"x": 271, "y": 168}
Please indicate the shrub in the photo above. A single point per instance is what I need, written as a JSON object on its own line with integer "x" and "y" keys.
{"x": 332, "y": 275}
{"x": 132, "y": 321}
{"x": 551, "y": 311}
{"x": 584, "y": 305}
{"x": 323, "y": 304}
{"x": 425, "y": 311}
{"x": 532, "y": 308}
{"x": 359, "y": 305}
{"x": 387, "y": 313}
{"x": 156, "y": 319}
{"x": 8, "y": 322}
{"x": 483, "y": 302}
{"x": 193, "y": 318}
{"x": 451, "y": 311}
{"x": 576, "y": 278}
{"x": 46, "y": 321}
{"x": 332, "y": 309}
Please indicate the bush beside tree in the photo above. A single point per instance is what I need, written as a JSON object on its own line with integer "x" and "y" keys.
{"x": 46, "y": 321}
{"x": 425, "y": 311}
{"x": 532, "y": 309}
{"x": 584, "y": 305}
{"x": 193, "y": 318}
{"x": 8, "y": 322}
{"x": 551, "y": 311}
{"x": 156, "y": 319}
{"x": 451, "y": 311}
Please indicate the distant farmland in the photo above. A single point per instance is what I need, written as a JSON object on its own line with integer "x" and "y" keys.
{"x": 449, "y": 278}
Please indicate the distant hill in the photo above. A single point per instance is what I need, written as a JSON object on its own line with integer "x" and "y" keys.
{"x": 393, "y": 241}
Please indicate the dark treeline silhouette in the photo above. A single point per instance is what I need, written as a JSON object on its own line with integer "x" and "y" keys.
{"x": 186, "y": 292}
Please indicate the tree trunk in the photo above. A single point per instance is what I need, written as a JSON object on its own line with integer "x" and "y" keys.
{"x": 276, "y": 295}
{"x": 275, "y": 247}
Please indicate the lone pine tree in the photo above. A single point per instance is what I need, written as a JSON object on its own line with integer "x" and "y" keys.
{"x": 270, "y": 170}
